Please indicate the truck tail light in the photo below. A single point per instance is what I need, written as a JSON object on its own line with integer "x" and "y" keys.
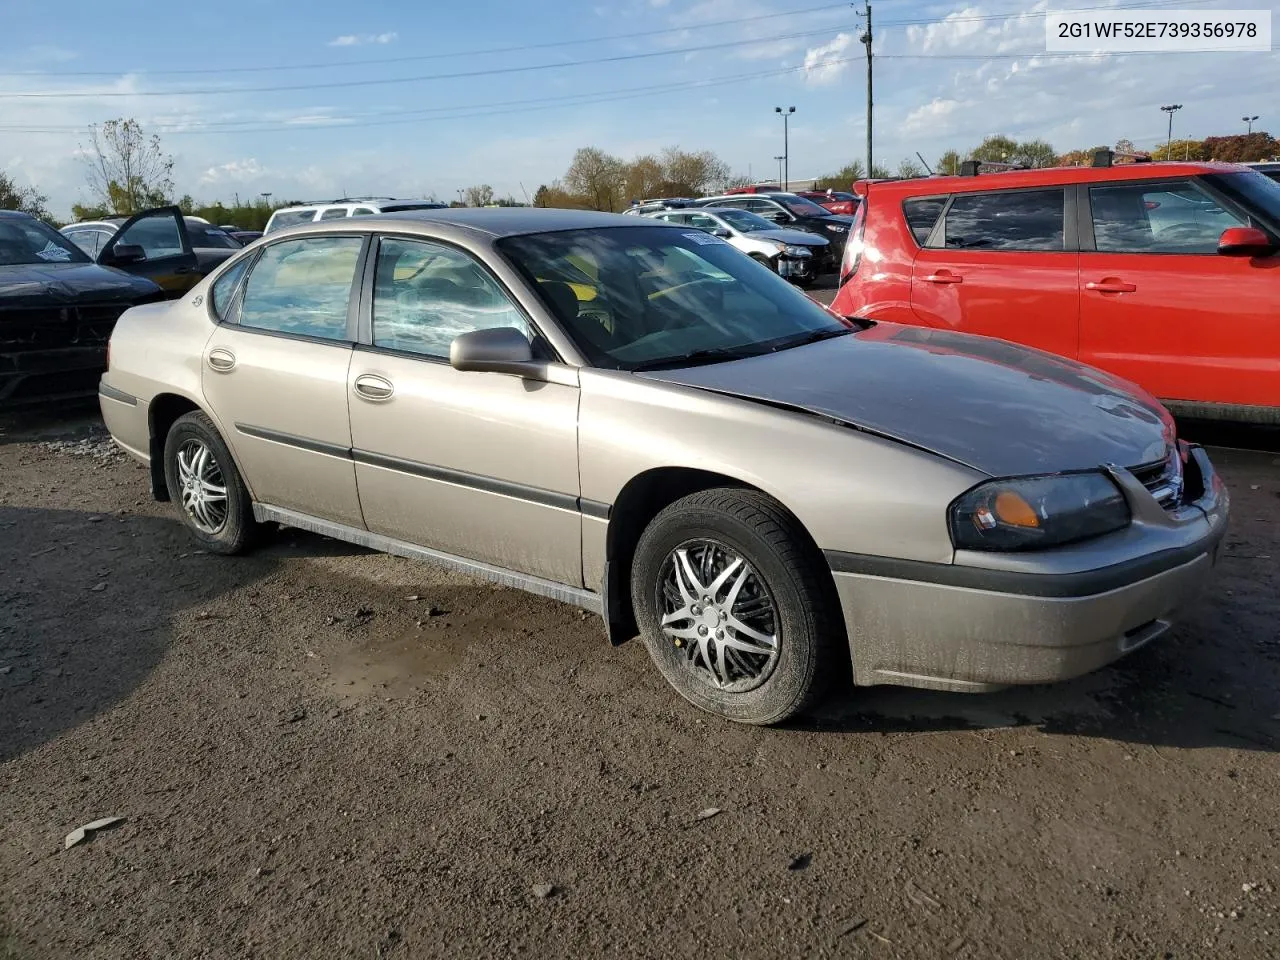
{"x": 853, "y": 246}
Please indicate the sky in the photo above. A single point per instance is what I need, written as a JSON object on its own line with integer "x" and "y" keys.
{"x": 318, "y": 99}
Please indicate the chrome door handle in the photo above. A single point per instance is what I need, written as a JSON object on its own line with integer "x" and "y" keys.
{"x": 370, "y": 387}
{"x": 1111, "y": 285}
{"x": 222, "y": 360}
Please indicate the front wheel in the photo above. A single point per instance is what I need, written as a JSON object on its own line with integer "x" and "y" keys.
{"x": 202, "y": 479}
{"x": 736, "y": 606}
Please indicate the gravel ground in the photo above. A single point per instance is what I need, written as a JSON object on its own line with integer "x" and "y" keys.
{"x": 323, "y": 752}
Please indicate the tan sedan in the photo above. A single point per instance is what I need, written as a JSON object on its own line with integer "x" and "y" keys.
{"x": 635, "y": 418}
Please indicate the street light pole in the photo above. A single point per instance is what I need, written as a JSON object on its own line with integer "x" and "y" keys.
{"x": 866, "y": 39}
{"x": 1170, "y": 109}
{"x": 786, "y": 148}
{"x": 1249, "y": 121}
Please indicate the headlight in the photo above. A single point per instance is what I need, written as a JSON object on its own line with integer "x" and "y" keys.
{"x": 797, "y": 251}
{"x": 1037, "y": 512}
{"x": 837, "y": 229}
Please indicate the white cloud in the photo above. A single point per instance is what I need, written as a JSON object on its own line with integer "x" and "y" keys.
{"x": 824, "y": 64}
{"x": 233, "y": 171}
{"x": 364, "y": 39}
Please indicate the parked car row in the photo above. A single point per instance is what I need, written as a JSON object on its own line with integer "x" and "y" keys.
{"x": 808, "y": 240}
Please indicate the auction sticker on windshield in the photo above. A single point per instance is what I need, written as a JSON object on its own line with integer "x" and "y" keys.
{"x": 1176, "y": 31}
{"x": 54, "y": 253}
{"x": 702, "y": 238}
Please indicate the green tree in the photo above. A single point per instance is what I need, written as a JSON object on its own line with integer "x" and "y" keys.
{"x": 127, "y": 170}
{"x": 81, "y": 212}
{"x": 995, "y": 149}
{"x": 27, "y": 199}
{"x": 1181, "y": 150}
{"x": 948, "y": 164}
{"x": 1035, "y": 154}
{"x": 908, "y": 168}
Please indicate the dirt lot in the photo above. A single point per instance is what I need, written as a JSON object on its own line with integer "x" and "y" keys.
{"x": 323, "y": 752}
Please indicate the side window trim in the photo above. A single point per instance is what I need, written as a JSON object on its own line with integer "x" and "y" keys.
{"x": 353, "y": 297}
{"x": 364, "y": 338}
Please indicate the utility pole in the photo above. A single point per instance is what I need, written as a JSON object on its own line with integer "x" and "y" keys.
{"x": 866, "y": 39}
{"x": 1170, "y": 109}
{"x": 1249, "y": 121}
{"x": 786, "y": 148}
{"x": 779, "y": 159}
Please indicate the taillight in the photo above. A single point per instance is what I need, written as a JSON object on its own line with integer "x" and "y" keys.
{"x": 853, "y": 246}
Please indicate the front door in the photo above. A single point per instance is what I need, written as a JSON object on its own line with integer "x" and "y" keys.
{"x": 478, "y": 465}
{"x": 1161, "y": 307}
{"x": 1001, "y": 264}
{"x": 275, "y": 374}
{"x": 154, "y": 244}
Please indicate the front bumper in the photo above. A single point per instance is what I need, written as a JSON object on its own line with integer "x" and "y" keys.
{"x": 50, "y": 374}
{"x": 990, "y": 621}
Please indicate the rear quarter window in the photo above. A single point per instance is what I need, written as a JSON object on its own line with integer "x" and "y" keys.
{"x": 289, "y": 218}
{"x": 921, "y": 215}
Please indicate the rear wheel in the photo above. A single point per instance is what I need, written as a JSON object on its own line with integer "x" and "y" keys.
{"x": 736, "y": 607}
{"x": 203, "y": 481}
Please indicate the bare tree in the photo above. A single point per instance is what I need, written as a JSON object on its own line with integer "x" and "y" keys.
{"x": 478, "y": 196}
{"x": 127, "y": 170}
{"x": 908, "y": 168}
{"x": 692, "y": 174}
{"x": 597, "y": 177}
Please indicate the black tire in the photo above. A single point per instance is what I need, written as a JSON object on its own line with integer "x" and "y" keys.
{"x": 237, "y": 531}
{"x": 808, "y": 629}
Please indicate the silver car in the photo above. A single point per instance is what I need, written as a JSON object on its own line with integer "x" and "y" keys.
{"x": 794, "y": 254}
{"x": 631, "y": 417}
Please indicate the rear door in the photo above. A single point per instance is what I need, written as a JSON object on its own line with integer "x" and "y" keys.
{"x": 154, "y": 244}
{"x": 1159, "y": 304}
{"x": 274, "y": 372}
{"x": 1003, "y": 264}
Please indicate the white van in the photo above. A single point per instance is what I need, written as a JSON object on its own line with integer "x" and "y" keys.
{"x": 346, "y": 207}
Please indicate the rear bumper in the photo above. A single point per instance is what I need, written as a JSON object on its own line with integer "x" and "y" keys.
{"x": 126, "y": 417}
{"x": 973, "y": 628}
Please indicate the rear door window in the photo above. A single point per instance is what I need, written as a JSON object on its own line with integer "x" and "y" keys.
{"x": 921, "y": 216}
{"x": 302, "y": 287}
{"x": 1006, "y": 220}
{"x": 334, "y": 213}
{"x": 1169, "y": 217}
{"x": 158, "y": 237}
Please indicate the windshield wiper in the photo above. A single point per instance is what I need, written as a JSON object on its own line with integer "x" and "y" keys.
{"x": 813, "y": 336}
{"x": 696, "y": 358}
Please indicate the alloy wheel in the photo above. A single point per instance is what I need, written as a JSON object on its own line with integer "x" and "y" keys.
{"x": 718, "y": 611}
{"x": 204, "y": 491}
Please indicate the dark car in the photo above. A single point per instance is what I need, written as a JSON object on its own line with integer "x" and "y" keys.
{"x": 176, "y": 252}
{"x": 57, "y": 311}
{"x": 792, "y": 210}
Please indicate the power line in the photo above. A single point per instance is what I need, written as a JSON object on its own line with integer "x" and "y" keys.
{"x": 417, "y": 58}
{"x": 496, "y": 71}
{"x": 445, "y": 113}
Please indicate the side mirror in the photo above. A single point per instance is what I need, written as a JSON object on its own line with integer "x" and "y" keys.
{"x": 496, "y": 350}
{"x": 126, "y": 253}
{"x": 722, "y": 232}
{"x": 1244, "y": 242}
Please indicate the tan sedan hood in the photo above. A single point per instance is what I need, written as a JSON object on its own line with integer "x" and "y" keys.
{"x": 1000, "y": 408}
